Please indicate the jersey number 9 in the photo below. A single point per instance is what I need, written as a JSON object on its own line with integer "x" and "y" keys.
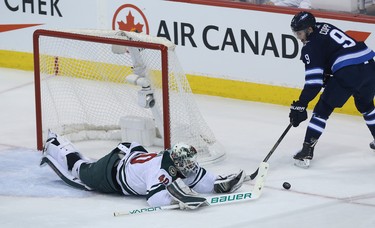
{"x": 341, "y": 38}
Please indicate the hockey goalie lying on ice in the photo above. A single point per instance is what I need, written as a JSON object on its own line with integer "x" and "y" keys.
{"x": 169, "y": 177}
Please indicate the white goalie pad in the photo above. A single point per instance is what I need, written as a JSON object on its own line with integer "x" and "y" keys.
{"x": 64, "y": 174}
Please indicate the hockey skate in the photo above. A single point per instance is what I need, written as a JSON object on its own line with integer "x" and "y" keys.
{"x": 303, "y": 157}
{"x": 61, "y": 155}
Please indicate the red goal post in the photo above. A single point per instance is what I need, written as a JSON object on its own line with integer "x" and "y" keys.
{"x": 84, "y": 83}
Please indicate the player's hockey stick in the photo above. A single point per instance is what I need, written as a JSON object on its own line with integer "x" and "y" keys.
{"x": 216, "y": 199}
{"x": 252, "y": 176}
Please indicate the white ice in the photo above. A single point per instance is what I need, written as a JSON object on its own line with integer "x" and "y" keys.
{"x": 338, "y": 190}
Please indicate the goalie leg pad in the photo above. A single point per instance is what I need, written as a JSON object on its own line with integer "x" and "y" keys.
{"x": 186, "y": 197}
{"x": 229, "y": 183}
{"x": 62, "y": 151}
{"x": 63, "y": 173}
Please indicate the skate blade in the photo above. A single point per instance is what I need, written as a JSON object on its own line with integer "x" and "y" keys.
{"x": 305, "y": 163}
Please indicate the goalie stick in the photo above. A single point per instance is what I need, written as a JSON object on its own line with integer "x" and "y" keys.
{"x": 252, "y": 176}
{"x": 218, "y": 199}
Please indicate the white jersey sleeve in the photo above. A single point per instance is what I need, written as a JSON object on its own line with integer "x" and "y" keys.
{"x": 157, "y": 195}
{"x": 162, "y": 198}
{"x": 201, "y": 181}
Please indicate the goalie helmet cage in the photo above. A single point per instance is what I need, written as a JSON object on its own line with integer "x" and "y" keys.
{"x": 82, "y": 89}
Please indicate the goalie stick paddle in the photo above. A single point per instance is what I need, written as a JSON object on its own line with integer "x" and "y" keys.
{"x": 214, "y": 200}
{"x": 252, "y": 176}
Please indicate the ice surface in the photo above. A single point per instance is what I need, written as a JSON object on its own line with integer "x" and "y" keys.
{"x": 338, "y": 190}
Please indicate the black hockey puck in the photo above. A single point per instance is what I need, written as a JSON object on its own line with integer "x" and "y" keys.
{"x": 286, "y": 185}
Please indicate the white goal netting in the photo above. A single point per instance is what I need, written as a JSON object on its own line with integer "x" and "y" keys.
{"x": 111, "y": 85}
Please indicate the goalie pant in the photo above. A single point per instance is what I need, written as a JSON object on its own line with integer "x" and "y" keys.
{"x": 130, "y": 170}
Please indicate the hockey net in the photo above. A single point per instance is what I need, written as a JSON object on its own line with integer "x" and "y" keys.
{"x": 115, "y": 85}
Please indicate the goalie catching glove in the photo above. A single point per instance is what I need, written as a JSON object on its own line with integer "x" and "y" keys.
{"x": 185, "y": 196}
{"x": 229, "y": 183}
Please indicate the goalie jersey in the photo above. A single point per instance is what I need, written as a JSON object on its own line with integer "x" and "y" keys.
{"x": 327, "y": 50}
{"x": 142, "y": 173}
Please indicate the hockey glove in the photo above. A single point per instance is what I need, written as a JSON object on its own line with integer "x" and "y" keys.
{"x": 185, "y": 196}
{"x": 229, "y": 183}
{"x": 297, "y": 113}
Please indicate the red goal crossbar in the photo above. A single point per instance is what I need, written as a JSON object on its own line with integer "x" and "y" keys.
{"x": 73, "y": 36}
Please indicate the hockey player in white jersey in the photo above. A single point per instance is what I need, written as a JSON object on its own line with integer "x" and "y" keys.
{"x": 168, "y": 177}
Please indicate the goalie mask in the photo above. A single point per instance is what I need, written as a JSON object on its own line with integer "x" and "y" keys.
{"x": 184, "y": 157}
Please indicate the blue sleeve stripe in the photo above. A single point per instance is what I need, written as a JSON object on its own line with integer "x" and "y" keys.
{"x": 314, "y": 82}
{"x": 352, "y": 59}
{"x": 314, "y": 76}
{"x": 314, "y": 71}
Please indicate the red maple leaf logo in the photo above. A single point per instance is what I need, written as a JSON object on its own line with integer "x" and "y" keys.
{"x": 129, "y": 26}
{"x": 358, "y": 35}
